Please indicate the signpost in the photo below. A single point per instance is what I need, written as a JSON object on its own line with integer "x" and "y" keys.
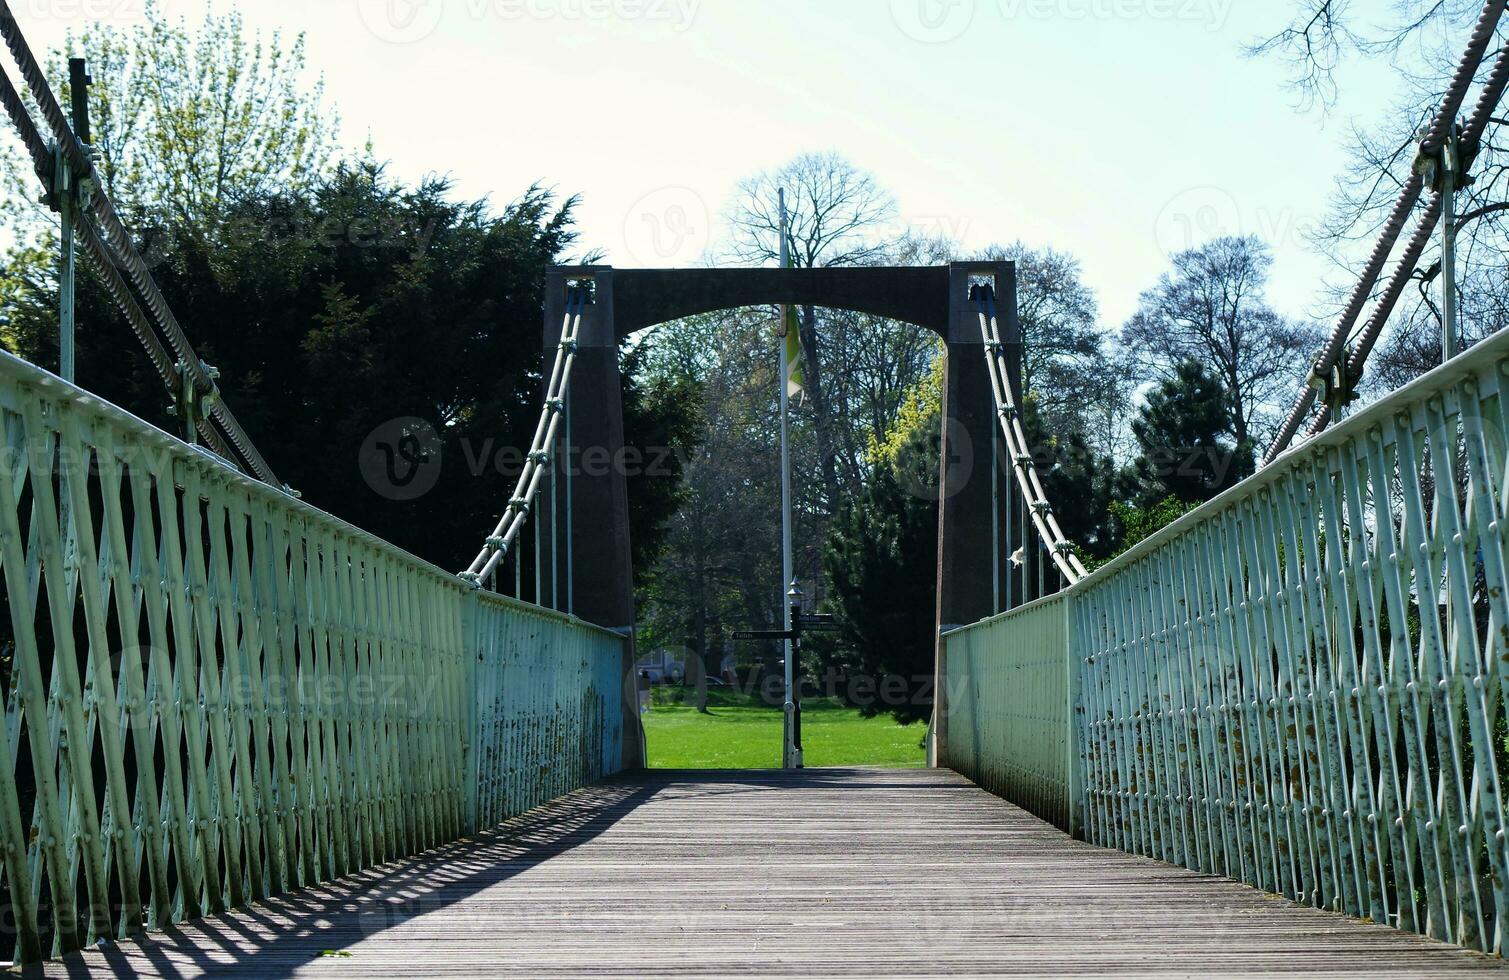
{"x": 792, "y": 639}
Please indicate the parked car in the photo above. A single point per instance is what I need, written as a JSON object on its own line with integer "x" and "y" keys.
{"x": 658, "y": 668}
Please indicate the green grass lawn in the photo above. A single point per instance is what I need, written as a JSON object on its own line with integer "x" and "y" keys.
{"x": 741, "y": 733}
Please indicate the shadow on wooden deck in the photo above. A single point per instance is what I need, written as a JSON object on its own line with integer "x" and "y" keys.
{"x": 858, "y": 873}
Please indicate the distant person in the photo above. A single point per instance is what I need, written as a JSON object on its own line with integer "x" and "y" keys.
{"x": 644, "y": 691}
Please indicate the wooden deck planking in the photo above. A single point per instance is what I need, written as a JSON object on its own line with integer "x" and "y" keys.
{"x": 853, "y": 873}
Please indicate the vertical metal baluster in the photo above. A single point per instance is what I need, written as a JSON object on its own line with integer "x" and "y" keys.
{"x": 1215, "y": 651}
{"x": 1456, "y": 664}
{"x": 1309, "y": 588}
{"x": 1362, "y": 792}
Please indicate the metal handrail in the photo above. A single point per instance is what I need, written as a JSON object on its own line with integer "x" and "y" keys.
{"x": 1295, "y": 684}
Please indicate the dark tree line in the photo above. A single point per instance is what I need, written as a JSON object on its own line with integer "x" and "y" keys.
{"x": 333, "y": 299}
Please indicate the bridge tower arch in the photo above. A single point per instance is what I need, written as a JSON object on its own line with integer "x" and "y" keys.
{"x": 938, "y": 298}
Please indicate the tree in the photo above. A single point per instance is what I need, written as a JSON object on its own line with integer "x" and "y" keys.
{"x": 1061, "y": 338}
{"x": 1211, "y": 308}
{"x": 881, "y": 561}
{"x": 334, "y": 311}
{"x": 721, "y": 568}
{"x": 1078, "y": 481}
{"x": 1183, "y": 432}
{"x": 184, "y": 122}
{"x": 833, "y": 209}
{"x": 882, "y": 548}
{"x": 837, "y": 214}
{"x": 187, "y": 120}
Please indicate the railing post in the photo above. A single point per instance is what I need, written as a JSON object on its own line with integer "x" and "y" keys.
{"x": 471, "y": 648}
{"x": 1074, "y": 786}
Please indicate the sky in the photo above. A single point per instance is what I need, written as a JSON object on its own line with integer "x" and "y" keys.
{"x": 1119, "y": 131}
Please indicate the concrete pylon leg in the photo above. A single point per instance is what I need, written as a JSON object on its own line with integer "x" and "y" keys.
{"x": 965, "y": 499}
{"x": 602, "y": 586}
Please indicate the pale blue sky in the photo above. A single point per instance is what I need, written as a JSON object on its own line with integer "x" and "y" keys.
{"x": 1116, "y": 130}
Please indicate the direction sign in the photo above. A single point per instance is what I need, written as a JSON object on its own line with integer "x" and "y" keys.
{"x": 764, "y": 635}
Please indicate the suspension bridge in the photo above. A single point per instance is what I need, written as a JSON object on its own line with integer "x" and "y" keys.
{"x": 242, "y": 737}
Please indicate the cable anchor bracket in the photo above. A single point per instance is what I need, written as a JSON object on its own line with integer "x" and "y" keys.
{"x": 1337, "y": 386}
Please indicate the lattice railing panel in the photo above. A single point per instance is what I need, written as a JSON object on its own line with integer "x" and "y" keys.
{"x": 548, "y": 700}
{"x": 214, "y": 693}
{"x": 1302, "y": 684}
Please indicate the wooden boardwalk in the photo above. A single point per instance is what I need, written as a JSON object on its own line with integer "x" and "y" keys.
{"x": 854, "y": 873}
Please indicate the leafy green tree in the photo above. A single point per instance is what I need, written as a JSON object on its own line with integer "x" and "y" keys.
{"x": 662, "y": 423}
{"x": 720, "y": 569}
{"x": 1185, "y": 456}
{"x": 1211, "y": 307}
{"x": 334, "y": 311}
{"x": 1183, "y": 434}
{"x": 186, "y": 119}
{"x": 881, "y": 561}
{"x": 881, "y": 552}
{"x": 332, "y": 298}
{"x": 1135, "y": 524}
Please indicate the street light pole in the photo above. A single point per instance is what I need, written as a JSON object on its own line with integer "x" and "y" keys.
{"x": 793, "y": 706}
{"x": 791, "y": 752}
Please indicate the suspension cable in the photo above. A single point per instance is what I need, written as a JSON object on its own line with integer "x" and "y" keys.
{"x": 1335, "y": 353}
{"x": 1009, "y": 416}
{"x": 109, "y": 246}
{"x": 541, "y": 450}
{"x": 1472, "y": 133}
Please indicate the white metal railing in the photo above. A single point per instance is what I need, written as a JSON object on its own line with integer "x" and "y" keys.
{"x": 215, "y": 693}
{"x": 1302, "y": 683}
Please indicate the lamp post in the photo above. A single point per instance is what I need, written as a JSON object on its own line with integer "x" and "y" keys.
{"x": 793, "y": 753}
